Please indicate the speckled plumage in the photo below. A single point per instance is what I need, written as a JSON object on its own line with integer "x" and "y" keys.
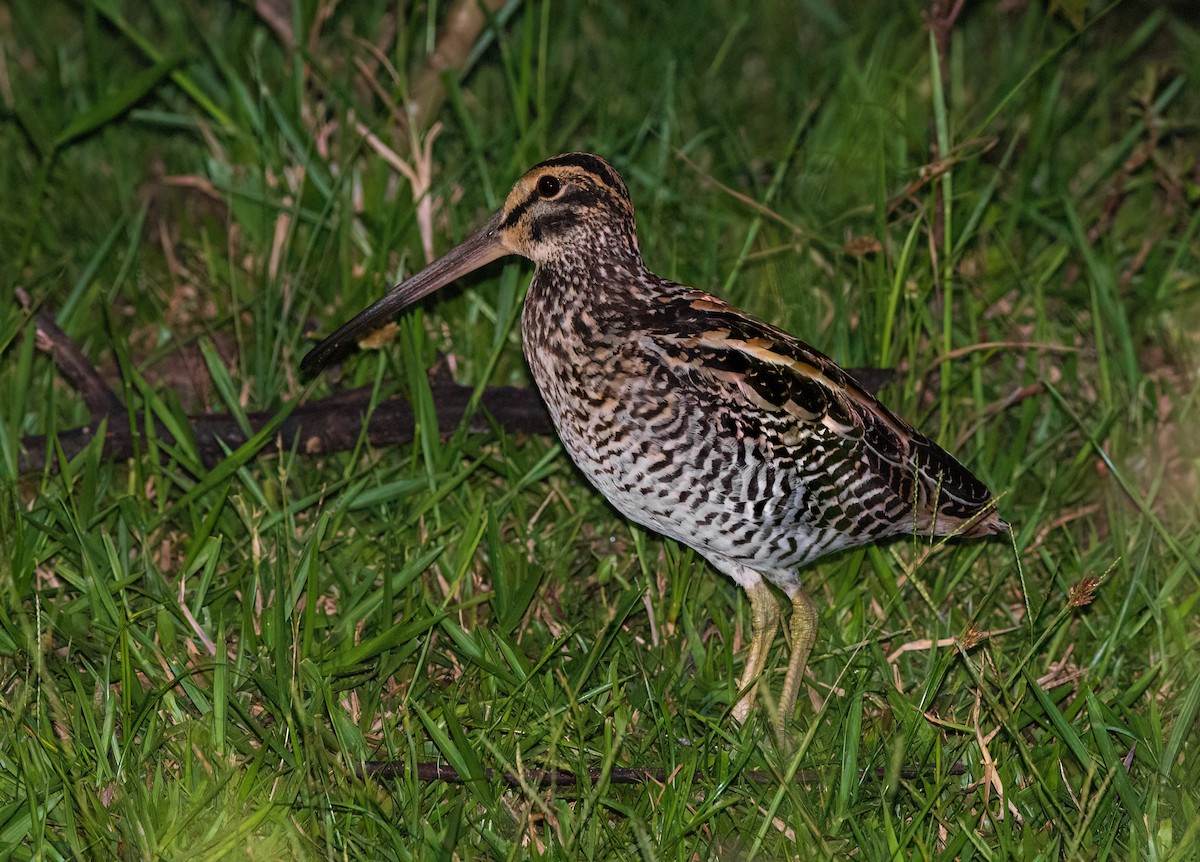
{"x": 693, "y": 418}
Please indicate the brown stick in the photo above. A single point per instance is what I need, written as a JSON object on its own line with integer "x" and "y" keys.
{"x": 329, "y": 425}
{"x": 385, "y": 770}
{"x": 101, "y": 401}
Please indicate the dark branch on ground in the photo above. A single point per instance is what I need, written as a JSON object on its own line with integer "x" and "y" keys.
{"x": 331, "y": 424}
{"x": 78, "y": 370}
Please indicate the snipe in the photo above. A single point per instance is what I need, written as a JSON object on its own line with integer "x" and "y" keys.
{"x": 693, "y": 418}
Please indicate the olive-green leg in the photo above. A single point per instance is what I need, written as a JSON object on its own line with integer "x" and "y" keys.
{"x": 803, "y": 627}
{"x": 764, "y": 617}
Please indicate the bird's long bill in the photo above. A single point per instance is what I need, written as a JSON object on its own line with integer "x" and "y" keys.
{"x": 480, "y": 248}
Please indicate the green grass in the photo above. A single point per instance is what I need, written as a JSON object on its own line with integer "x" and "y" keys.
{"x": 196, "y": 659}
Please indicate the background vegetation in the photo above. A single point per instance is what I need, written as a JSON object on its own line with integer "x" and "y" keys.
{"x": 196, "y": 658}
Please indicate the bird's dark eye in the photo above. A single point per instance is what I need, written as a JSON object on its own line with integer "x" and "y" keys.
{"x": 548, "y": 186}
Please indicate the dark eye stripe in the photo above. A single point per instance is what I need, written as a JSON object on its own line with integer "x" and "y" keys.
{"x": 519, "y": 210}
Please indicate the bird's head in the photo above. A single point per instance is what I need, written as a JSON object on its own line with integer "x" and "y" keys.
{"x": 569, "y": 209}
{"x": 574, "y": 205}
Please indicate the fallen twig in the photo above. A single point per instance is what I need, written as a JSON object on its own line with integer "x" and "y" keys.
{"x": 101, "y": 401}
{"x": 329, "y": 425}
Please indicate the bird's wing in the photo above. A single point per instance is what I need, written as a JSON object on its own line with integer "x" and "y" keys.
{"x": 803, "y": 398}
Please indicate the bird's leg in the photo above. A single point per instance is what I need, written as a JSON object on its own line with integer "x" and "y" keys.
{"x": 764, "y": 619}
{"x": 803, "y": 633}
